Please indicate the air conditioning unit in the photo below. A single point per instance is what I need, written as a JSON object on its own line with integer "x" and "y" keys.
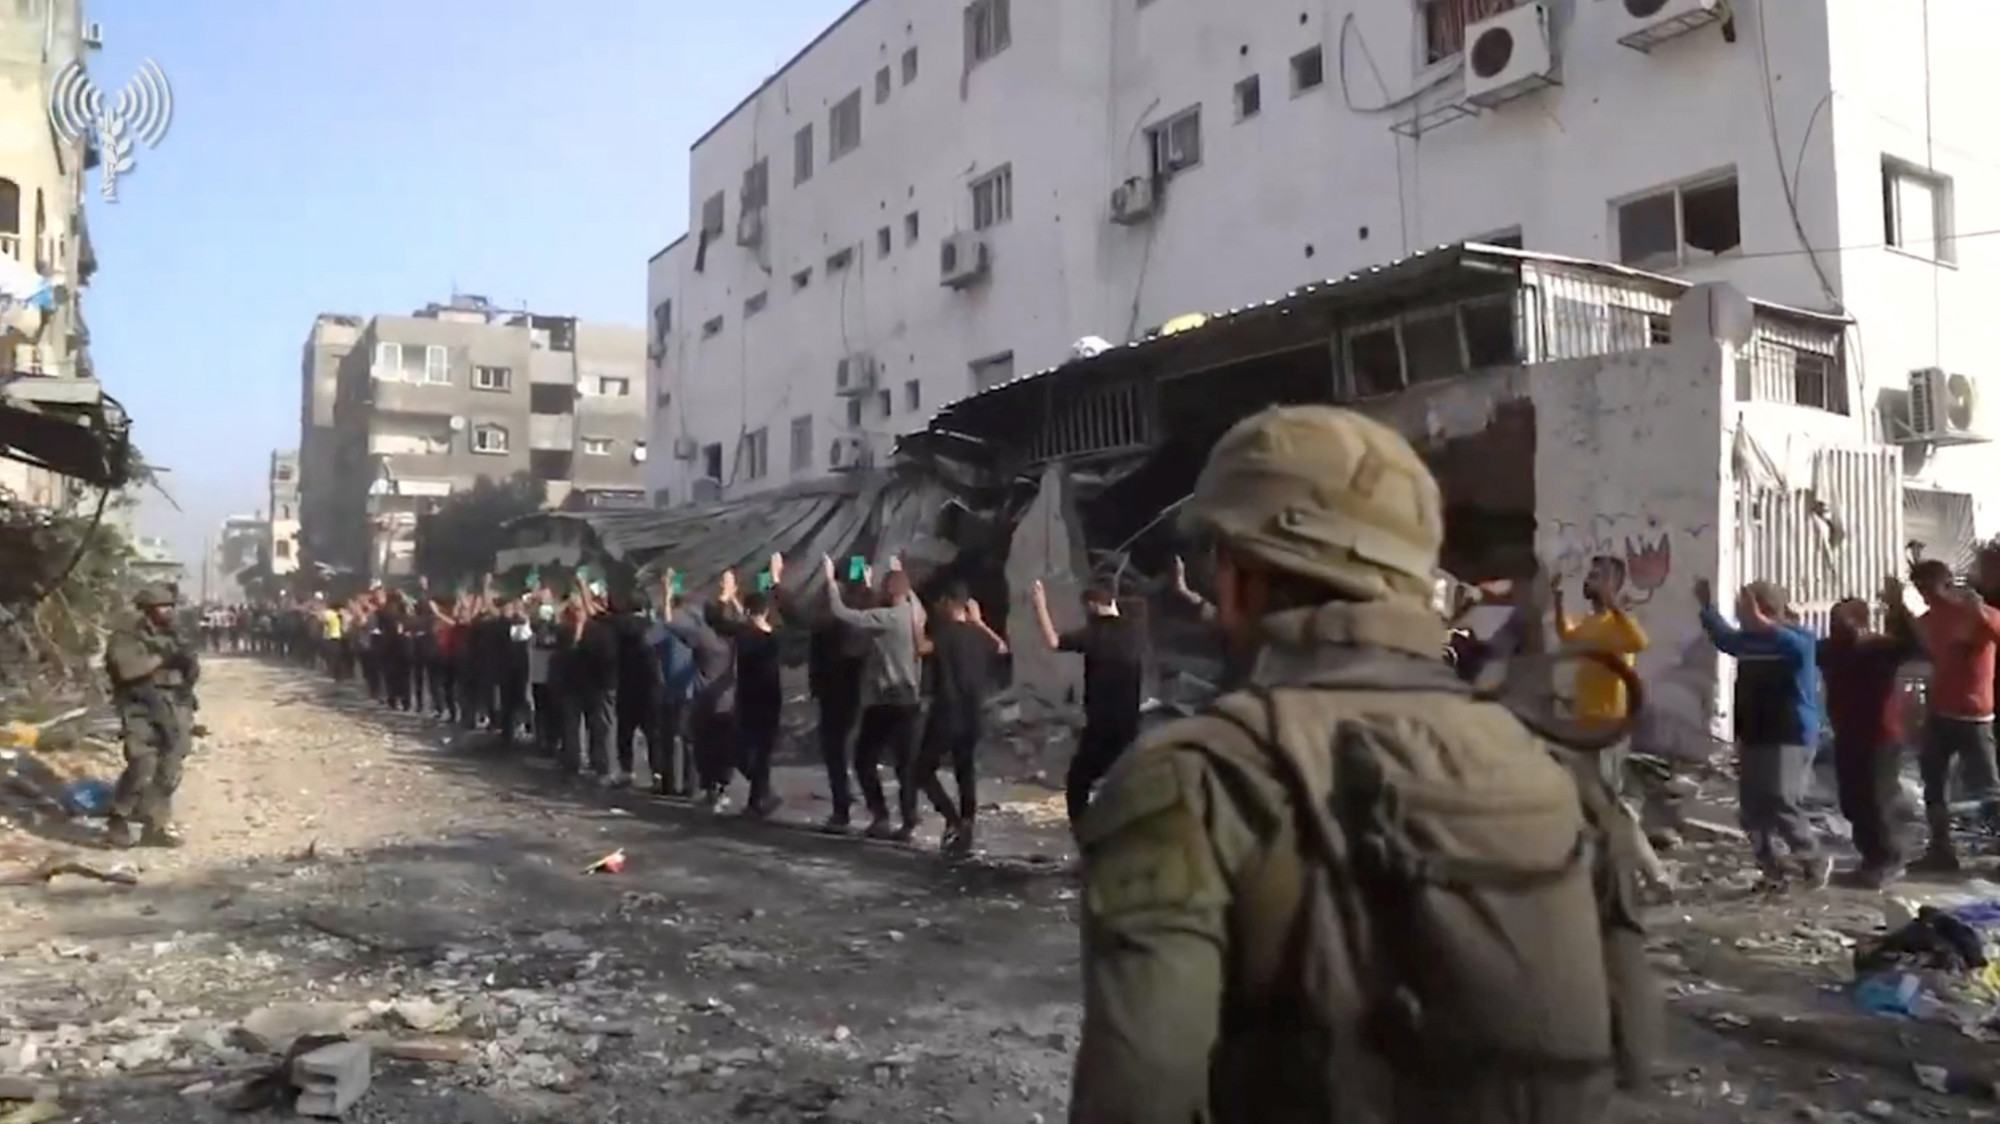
{"x": 1132, "y": 202}
{"x": 856, "y": 374}
{"x": 848, "y": 453}
{"x": 93, "y": 35}
{"x": 964, "y": 259}
{"x": 1646, "y": 24}
{"x": 686, "y": 448}
{"x": 1945, "y": 409}
{"x": 750, "y": 228}
{"x": 1508, "y": 55}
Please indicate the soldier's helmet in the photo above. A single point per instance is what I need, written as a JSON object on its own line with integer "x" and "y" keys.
{"x": 154, "y": 597}
{"x": 1325, "y": 494}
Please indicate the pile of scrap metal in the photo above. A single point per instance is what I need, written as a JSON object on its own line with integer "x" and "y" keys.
{"x": 873, "y": 515}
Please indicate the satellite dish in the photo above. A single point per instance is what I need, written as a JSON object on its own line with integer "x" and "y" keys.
{"x": 457, "y": 424}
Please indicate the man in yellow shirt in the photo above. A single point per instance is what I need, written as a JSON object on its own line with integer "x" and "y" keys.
{"x": 329, "y": 634}
{"x": 1599, "y": 694}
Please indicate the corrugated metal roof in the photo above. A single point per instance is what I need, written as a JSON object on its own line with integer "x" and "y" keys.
{"x": 879, "y": 513}
{"x": 1335, "y": 288}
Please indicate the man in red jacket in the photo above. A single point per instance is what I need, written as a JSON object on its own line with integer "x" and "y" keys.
{"x": 1864, "y": 706}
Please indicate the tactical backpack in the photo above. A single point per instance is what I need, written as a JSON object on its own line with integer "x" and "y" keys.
{"x": 1447, "y": 939}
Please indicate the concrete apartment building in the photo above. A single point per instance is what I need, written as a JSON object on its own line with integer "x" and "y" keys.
{"x": 932, "y": 199}
{"x": 425, "y": 405}
{"x": 42, "y": 227}
{"x": 283, "y": 509}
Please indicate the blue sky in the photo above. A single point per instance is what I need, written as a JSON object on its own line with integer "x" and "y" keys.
{"x": 365, "y": 156}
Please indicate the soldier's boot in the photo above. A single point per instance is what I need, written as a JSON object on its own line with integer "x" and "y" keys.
{"x": 161, "y": 835}
{"x": 121, "y": 832}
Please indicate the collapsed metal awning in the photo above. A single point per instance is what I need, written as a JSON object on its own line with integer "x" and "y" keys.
{"x": 874, "y": 514}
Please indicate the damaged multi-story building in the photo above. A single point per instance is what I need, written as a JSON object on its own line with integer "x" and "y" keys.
{"x": 1570, "y": 410}
{"x": 57, "y": 427}
{"x": 929, "y": 200}
{"x": 282, "y": 502}
{"x": 403, "y": 411}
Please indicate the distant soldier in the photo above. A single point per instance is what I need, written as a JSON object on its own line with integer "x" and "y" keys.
{"x": 153, "y": 674}
{"x": 1356, "y": 889}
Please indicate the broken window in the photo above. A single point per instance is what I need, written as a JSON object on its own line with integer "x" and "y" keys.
{"x": 753, "y": 454}
{"x": 1916, "y": 211}
{"x": 711, "y": 461}
{"x": 1308, "y": 71}
{"x": 712, "y": 217}
{"x": 1175, "y": 144}
{"x": 1430, "y": 346}
{"x": 1671, "y": 228}
{"x": 802, "y": 443}
{"x": 1375, "y": 361}
{"x": 757, "y": 185}
{"x": 802, "y": 155}
{"x": 1490, "y": 338}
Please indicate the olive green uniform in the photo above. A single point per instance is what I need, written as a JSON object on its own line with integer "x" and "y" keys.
{"x": 1194, "y": 867}
{"x": 153, "y": 673}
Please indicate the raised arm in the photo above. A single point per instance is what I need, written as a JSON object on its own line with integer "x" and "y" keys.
{"x": 1038, "y": 596}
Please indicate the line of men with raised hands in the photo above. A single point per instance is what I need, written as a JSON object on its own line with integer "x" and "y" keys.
{"x": 590, "y": 675}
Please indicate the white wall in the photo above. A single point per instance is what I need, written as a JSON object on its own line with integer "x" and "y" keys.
{"x": 1315, "y": 185}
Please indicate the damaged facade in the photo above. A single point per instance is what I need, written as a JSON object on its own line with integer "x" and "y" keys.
{"x": 56, "y": 423}
{"x": 1569, "y": 408}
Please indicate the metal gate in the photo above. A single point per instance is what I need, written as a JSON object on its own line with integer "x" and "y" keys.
{"x": 1837, "y": 535}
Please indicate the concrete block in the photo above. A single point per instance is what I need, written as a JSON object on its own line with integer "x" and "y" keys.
{"x": 332, "y": 1078}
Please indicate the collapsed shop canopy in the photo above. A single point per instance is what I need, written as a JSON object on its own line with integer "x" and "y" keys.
{"x": 874, "y": 514}
{"x": 993, "y": 424}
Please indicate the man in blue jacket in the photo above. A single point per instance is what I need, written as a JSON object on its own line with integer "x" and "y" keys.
{"x": 1777, "y": 715}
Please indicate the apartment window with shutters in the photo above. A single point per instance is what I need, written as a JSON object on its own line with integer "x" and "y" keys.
{"x": 993, "y": 198}
{"x": 988, "y": 29}
{"x": 437, "y": 365}
{"x": 843, "y": 127}
{"x": 802, "y": 443}
{"x": 1175, "y": 144}
{"x": 1917, "y": 211}
{"x": 802, "y": 155}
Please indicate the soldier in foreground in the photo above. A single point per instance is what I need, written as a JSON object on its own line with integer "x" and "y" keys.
{"x": 1355, "y": 890}
{"x": 153, "y": 673}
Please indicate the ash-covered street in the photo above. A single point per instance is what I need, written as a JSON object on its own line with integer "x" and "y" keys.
{"x": 351, "y": 872}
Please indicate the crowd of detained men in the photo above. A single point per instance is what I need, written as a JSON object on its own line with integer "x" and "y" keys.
{"x": 589, "y": 678}
{"x": 1858, "y": 693}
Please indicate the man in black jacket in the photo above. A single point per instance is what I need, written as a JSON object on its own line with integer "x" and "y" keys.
{"x": 638, "y": 677}
{"x": 590, "y": 678}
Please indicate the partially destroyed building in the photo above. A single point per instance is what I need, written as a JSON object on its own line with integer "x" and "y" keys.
{"x": 1569, "y": 408}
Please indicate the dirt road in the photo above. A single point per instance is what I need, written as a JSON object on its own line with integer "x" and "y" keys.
{"x": 350, "y": 871}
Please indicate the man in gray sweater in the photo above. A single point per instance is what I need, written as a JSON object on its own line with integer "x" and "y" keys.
{"x": 890, "y": 703}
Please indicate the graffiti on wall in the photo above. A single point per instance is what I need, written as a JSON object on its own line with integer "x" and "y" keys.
{"x": 1679, "y": 668}
{"x": 1643, "y": 544}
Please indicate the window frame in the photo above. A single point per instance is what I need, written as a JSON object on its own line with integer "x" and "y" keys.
{"x": 1677, "y": 191}
{"x": 997, "y": 209}
{"x": 989, "y": 31}
{"x": 480, "y": 443}
{"x": 1161, "y": 142}
{"x": 481, "y": 381}
{"x": 850, "y": 106}
{"x": 437, "y": 365}
{"x": 1943, "y": 240}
